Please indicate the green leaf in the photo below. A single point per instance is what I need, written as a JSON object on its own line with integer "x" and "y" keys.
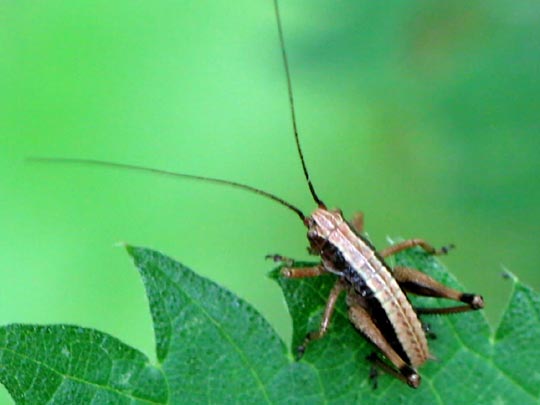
{"x": 213, "y": 347}
{"x": 473, "y": 364}
{"x": 65, "y": 364}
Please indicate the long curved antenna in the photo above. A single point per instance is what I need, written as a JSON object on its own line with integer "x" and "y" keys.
{"x": 291, "y": 104}
{"x": 125, "y": 166}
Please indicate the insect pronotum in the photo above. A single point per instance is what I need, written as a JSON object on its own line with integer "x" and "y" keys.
{"x": 376, "y": 294}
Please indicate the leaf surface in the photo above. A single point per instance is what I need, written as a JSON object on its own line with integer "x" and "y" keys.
{"x": 63, "y": 364}
{"x": 473, "y": 364}
{"x": 213, "y": 347}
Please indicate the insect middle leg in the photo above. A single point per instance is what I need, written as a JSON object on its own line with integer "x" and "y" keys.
{"x": 416, "y": 282}
{"x": 337, "y": 289}
{"x": 407, "y": 244}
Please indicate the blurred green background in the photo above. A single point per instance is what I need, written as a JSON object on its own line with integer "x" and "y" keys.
{"x": 422, "y": 114}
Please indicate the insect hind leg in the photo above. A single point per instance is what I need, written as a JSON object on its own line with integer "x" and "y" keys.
{"x": 416, "y": 282}
{"x": 362, "y": 320}
{"x": 407, "y": 374}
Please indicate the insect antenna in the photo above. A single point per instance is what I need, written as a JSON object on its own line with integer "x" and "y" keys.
{"x": 125, "y": 166}
{"x": 291, "y": 104}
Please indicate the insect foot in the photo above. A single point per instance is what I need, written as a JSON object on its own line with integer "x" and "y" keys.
{"x": 280, "y": 259}
{"x": 445, "y": 249}
{"x": 314, "y": 335}
{"x": 373, "y": 373}
{"x": 428, "y": 331}
{"x": 300, "y": 350}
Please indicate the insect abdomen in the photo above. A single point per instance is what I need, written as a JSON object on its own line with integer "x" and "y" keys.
{"x": 377, "y": 279}
{"x": 370, "y": 277}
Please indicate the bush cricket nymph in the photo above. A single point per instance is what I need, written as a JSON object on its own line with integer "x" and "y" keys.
{"x": 376, "y": 297}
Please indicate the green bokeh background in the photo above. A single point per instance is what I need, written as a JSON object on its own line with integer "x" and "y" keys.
{"x": 422, "y": 114}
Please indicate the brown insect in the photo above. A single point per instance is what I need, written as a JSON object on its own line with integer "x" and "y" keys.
{"x": 378, "y": 305}
{"x": 376, "y": 294}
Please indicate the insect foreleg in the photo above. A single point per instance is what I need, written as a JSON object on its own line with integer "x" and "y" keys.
{"x": 416, "y": 282}
{"x": 407, "y": 244}
{"x": 297, "y": 272}
{"x": 303, "y": 272}
{"x": 337, "y": 289}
